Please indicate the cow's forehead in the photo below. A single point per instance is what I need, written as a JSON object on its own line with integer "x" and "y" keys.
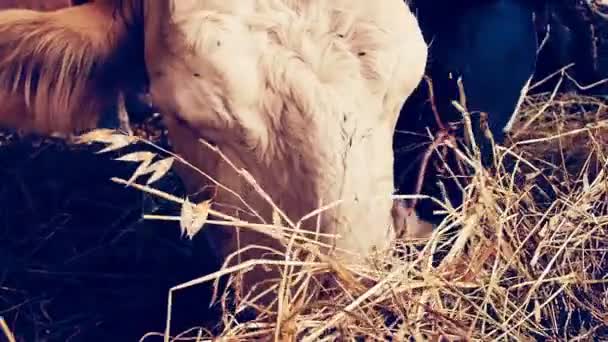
{"x": 259, "y": 73}
{"x": 390, "y": 15}
{"x": 375, "y": 37}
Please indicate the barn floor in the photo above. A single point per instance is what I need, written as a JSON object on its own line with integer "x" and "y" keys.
{"x": 77, "y": 261}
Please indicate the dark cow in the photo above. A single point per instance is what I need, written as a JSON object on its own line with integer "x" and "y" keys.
{"x": 569, "y": 37}
{"x": 486, "y": 52}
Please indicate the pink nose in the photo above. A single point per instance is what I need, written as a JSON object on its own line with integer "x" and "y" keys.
{"x": 407, "y": 224}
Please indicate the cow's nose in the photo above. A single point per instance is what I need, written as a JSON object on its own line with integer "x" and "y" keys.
{"x": 406, "y": 222}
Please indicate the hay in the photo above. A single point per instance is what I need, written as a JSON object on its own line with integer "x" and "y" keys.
{"x": 523, "y": 258}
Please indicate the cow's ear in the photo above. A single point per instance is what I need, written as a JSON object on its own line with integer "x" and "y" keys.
{"x": 53, "y": 67}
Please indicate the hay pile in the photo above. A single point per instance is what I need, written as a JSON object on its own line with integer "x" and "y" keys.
{"x": 525, "y": 256}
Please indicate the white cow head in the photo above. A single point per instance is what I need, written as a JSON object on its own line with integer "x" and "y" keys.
{"x": 304, "y": 95}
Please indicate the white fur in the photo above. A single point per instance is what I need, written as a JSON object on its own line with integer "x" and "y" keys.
{"x": 302, "y": 94}
{"x": 288, "y": 99}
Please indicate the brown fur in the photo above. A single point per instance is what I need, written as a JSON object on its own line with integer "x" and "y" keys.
{"x": 58, "y": 69}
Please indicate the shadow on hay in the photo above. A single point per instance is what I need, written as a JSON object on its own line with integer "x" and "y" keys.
{"x": 77, "y": 260}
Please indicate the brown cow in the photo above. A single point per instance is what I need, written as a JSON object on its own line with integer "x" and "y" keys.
{"x": 302, "y": 94}
{"x": 114, "y": 111}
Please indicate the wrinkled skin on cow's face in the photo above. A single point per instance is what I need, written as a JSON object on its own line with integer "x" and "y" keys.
{"x": 304, "y": 95}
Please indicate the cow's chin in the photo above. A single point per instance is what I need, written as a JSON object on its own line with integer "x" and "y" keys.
{"x": 352, "y": 177}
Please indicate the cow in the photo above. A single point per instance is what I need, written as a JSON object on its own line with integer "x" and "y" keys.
{"x": 485, "y": 53}
{"x": 130, "y": 103}
{"x": 482, "y": 52}
{"x": 304, "y": 95}
{"x": 569, "y": 38}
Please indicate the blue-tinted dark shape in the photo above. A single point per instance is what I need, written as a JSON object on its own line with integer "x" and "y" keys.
{"x": 492, "y": 46}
